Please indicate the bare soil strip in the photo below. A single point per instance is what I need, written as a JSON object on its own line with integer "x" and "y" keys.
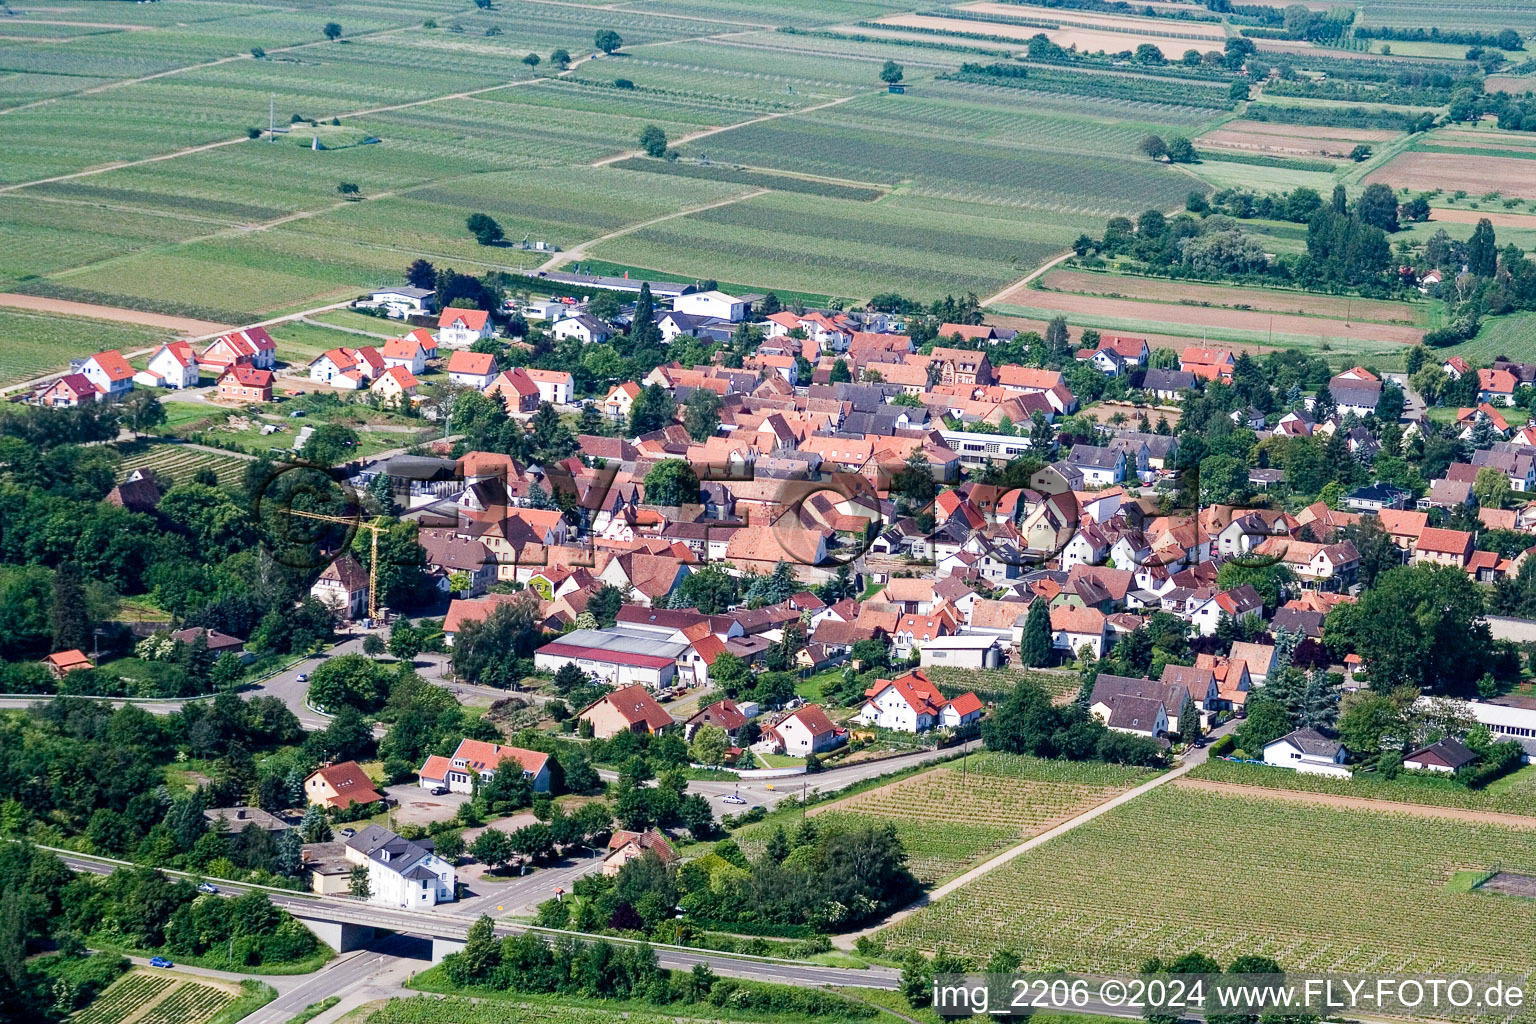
{"x": 1498, "y": 220}
{"x": 1357, "y": 803}
{"x": 1513, "y": 176}
{"x": 1159, "y": 317}
{"x": 1300, "y": 303}
{"x": 180, "y": 324}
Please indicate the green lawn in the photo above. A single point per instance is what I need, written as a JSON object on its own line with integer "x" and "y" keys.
{"x": 810, "y": 686}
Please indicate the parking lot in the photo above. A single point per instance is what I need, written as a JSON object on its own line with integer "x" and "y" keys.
{"x": 417, "y": 806}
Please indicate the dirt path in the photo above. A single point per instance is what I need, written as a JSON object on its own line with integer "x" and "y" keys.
{"x": 180, "y": 324}
{"x": 707, "y": 132}
{"x": 1024, "y": 281}
{"x": 1358, "y": 803}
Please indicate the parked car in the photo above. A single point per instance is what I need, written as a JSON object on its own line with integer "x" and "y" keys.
{"x": 347, "y": 833}
{"x": 439, "y": 790}
{"x": 207, "y": 887}
{"x": 160, "y": 961}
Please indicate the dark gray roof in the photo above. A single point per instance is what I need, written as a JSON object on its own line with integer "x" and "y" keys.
{"x": 1452, "y": 751}
{"x": 1091, "y": 455}
{"x": 1310, "y": 741}
{"x": 1109, "y": 688}
{"x": 1139, "y": 713}
{"x": 1167, "y": 380}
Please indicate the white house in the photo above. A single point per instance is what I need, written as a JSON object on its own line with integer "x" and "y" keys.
{"x": 587, "y": 329}
{"x": 555, "y": 386}
{"x": 1447, "y": 755}
{"x": 171, "y": 366}
{"x": 475, "y": 369}
{"x": 1138, "y": 716}
{"x": 343, "y": 587}
{"x": 1307, "y": 750}
{"x": 340, "y": 368}
{"x": 911, "y": 703}
{"x": 463, "y": 327}
{"x": 715, "y": 304}
{"x": 807, "y": 731}
{"x": 401, "y": 873}
{"x": 477, "y": 758}
{"x": 108, "y": 372}
{"x": 1101, "y": 467}
{"x": 405, "y": 352}
{"x": 1073, "y": 628}
{"x": 404, "y": 301}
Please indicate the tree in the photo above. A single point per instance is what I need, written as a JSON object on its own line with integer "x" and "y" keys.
{"x": 1482, "y": 250}
{"x": 1189, "y": 720}
{"x": 493, "y": 848}
{"x": 405, "y": 641}
{"x": 701, "y": 414}
{"x": 69, "y": 616}
{"x": 484, "y": 228}
{"x": 671, "y": 482}
{"x": 1360, "y": 153}
{"x": 330, "y": 444}
{"x": 1154, "y": 147}
{"x": 1377, "y": 206}
{"x": 560, "y": 58}
{"x": 1147, "y": 53}
{"x": 349, "y": 190}
{"x": 916, "y": 980}
{"x": 332, "y": 31}
{"x": 1491, "y": 486}
{"x": 1036, "y": 648}
{"x": 569, "y": 677}
{"x": 421, "y": 274}
{"x": 653, "y": 141}
{"x": 357, "y": 883}
{"x": 494, "y": 650}
{"x": 651, "y": 410}
{"x": 607, "y": 40}
{"x": 1420, "y": 625}
{"x": 891, "y": 73}
{"x": 709, "y": 745}
{"x": 840, "y": 372}
{"x": 1181, "y": 150}
{"x": 142, "y": 411}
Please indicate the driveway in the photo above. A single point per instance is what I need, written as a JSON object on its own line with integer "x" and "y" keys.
{"x": 417, "y": 806}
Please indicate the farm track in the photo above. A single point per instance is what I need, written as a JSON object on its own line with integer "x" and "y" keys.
{"x": 579, "y": 252}
{"x": 1359, "y": 803}
{"x": 181, "y": 324}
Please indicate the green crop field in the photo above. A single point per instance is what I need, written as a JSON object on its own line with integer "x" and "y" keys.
{"x": 991, "y": 802}
{"x": 156, "y": 999}
{"x": 180, "y": 462}
{"x": 33, "y": 344}
{"x": 1346, "y": 890}
{"x": 1516, "y": 793}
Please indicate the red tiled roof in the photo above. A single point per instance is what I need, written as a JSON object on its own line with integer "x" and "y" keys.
{"x": 474, "y": 319}
{"x": 113, "y": 364}
{"x": 634, "y": 702}
{"x": 471, "y": 362}
{"x": 482, "y": 755}
{"x": 966, "y": 703}
{"x": 351, "y": 783}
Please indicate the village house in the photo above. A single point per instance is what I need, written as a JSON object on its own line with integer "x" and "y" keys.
{"x": 628, "y": 709}
{"x": 556, "y": 387}
{"x": 396, "y": 386}
{"x": 477, "y": 759}
{"x": 1074, "y": 628}
{"x": 252, "y": 345}
{"x": 401, "y": 872}
{"x": 715, "y": 304}
{"x": 625, "y": 846}
{"x": 460, "y": 328}
{"x": 245, "y": 383}
{"x": 722, "y": 714}
{"x": 912, "y": 703}
{"x": 472, "y": 369}
{"x": 340, "y": 368}
{"x": 340, "y": 785}
{"x": 585, "y": 328}
{"x": 1447, "y": 755}
{"x": 403, "y": 301}
{"x": 108, "y": 372}
{"x": 1307, "y": 751}
{"x": 805, "y": 731}
{"x": 173, "y": 365}
{"x": 67, "y": 392}
{"x": 343, "y": 587}
{"x": 405, "y": 352}
{"x": 1442, "y": 547}
{"x": 516, "y": 391}
{"x": 60, "y": 663}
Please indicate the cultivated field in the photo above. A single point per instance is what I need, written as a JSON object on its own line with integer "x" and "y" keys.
{"x": 35, "y": 343}
{"x": 1346, "y": 890}
{"x": 149, "y": 997}
{"x": 994, "y": 802}
{"x": 180, "y": 462}
{"x": 1159, "y": 317}
{"x": 1291, "y": 139}
{"x": 1457, "y": 215}
{"x": 1270, "y": 301}
{"x": 1426, "y": 169}
{"x": 1090, "y": 33}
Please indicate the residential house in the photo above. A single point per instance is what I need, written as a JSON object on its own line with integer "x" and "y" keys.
{"x": 625, "y": 846}
{"x": 395, "y": 386}
{"x": 340, "y": 785}
{"x": 1100, "y": 467}
{"x": 1375, "y": 497}
{"x": 1138, "y": 716}
{"x": 556, "y": 387}
{"x": 1074, "y": 628}
{"x": 473, "y": 369}
{"x": 807, "y": 730}
{"x": 67, "y": 392}
{"x": 1447, "y": 755}
{"x": 912, "y": 703}
{"x": 244, "y": 383}
{"x": 1442, "y": 547}
{"x": 516, "y": 391}
{"x": 961, "y": 366}
{"x": 1167, "y": 385}
{"x": 1308, "y": 751}
{"x": 628, "y": 709}
{"x": 252, "y": 345}
{"x": 173, "y": 365}
{"x": 140, "y": 492}
{"x": 405, "y": 352}
{"x": 477, "y": 759}
{"x": 60, "y": 663}
{"x": 340, "y": 368}
{"x": 1234, "y": 604}
{"x": 1404, "y": 527}
{"x": 401, "y": 872}
{"x": 619, "y": 400}
{"x": 1259, "y": 658}
{"x": 460, "y": 328}
{"x": 1207, "y": 363}
{"x": 723, "y": 714}
{"x": 1496, "y": 387}
{"x": 585, "y": 328}
{"x": 343, "y": 587}
{"x": 108, "y": 372}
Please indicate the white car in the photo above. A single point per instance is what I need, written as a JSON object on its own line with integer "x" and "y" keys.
{"x": 732, "y": 798}
{"x": 207, "y": 887}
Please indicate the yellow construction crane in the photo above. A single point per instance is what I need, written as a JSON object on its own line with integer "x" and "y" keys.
{"x": 374, "y": 528}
